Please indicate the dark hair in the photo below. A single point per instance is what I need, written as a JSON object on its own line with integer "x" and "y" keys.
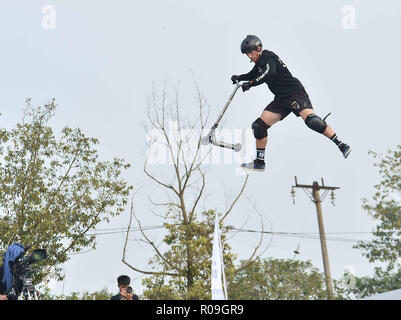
{"x": 123, "y": 280}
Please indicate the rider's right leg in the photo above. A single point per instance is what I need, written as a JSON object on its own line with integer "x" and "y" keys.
{"x": 260, "y": 126}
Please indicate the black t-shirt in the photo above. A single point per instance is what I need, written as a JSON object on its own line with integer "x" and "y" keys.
{"x": 118, "y": 297}
{"x": 271, "y": 70}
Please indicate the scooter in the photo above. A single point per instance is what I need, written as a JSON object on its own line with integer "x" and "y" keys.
{"x": 210, "y": 138}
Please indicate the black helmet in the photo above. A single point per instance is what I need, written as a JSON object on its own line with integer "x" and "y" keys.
{"x": 250, "y": 43}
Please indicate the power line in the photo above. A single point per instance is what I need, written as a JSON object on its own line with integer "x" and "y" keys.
{"x": 305, "y": 235}
{"x": 124, "y": 230}
{"x": 314, "y": 236}
{"x": 310, "y": 235}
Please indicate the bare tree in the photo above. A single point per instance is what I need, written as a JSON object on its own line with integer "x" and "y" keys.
{"x": 187, "y": 186}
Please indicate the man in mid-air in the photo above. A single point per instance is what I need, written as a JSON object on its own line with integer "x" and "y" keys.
{"x": 289, "y": 96}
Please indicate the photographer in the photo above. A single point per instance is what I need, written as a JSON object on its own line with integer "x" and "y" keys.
{"x": 125, "y": 289}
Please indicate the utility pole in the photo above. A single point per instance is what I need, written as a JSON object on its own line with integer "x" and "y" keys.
{"x": 315, "y": 197}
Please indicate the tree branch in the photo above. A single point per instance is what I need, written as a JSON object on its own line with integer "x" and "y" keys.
{"x": 252, "y": 257}
{"x": 236, "y": 199}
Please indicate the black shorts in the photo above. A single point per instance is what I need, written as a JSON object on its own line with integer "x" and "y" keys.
{"x": 295, "y": 103}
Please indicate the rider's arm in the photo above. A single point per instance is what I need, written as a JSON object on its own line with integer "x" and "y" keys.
{"x": 248, "y": 76}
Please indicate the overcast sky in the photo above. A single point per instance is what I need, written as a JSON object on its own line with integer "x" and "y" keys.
{"x": 99, "y": 58}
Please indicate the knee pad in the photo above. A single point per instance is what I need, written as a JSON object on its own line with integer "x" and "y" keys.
{"x": 316, "y": 123}
{"x": 260, "y": 128}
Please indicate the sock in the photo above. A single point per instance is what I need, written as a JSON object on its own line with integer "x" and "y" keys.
{"x": 335, "y": 140}
{"x": 260, "y": 155}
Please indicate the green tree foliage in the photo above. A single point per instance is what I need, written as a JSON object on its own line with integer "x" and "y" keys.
{"x": 385, "y": 247}
{"x": 382, "y": 281}
{"x": 277, "y": 279}
{"x": 385, "y": 209}
{"x": 196, "y": 237}
{"x": 55, "y": 190}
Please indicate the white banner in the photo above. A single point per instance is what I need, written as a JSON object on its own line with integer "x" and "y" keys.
{"x": 218, "y": 276}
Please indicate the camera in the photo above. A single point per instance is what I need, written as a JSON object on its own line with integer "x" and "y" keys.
{"x": 22, "y": 274}
{"x": 128, "y": 290}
